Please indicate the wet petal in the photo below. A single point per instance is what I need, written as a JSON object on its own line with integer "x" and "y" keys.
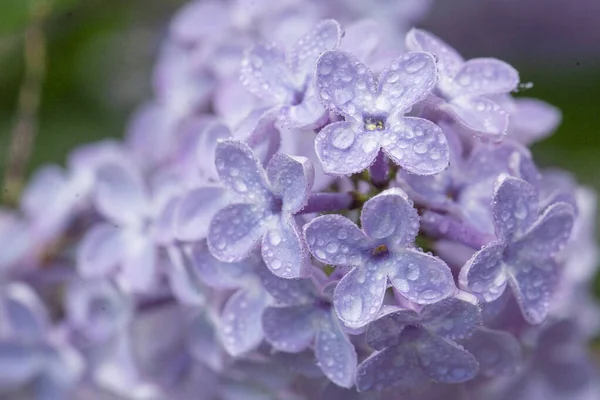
{"x": 385, "y": 331}
{"x": 265, "y": 74}
{"x": 401, "y": 368}
{"x": 240, "y": 172}
{"x": 195, "y": 211}
{"x": 498, "y": 352}
{"x": 287, "y": 291}
{"x": 390, "y": 215}
{"x": 420, "y": 277}
{"x": 216, "y": 273}
{"x": 100, "y": 251}
{"x": 408, "y": 80}
{"x": 480, "y": 115}
{"x": 290, "y": 329}
{"x": 484, "y": 274}
{"x": 335, "y": 240}
{"x": 484, "y": 76}
{"x": 335, "y": 353}
{"x": 205, "y": 148}
{"x": 343, "y": 150}
{"x": 241, "y": 329}
{"x": 417, "y": 145}
{"x": 451, "y": 318}
{"x": 359, "y": 295}
{"x": 533, "y": 283}
{"x": 514, "y": 208}
{"x": 291, "y": 179}
{"x": 235, "y": 231}
{"x": 448, "y": 60}
{"x": 305, "y": 52}
{"x": 309, "y": 114}
{"x": 284, "y": 251}
{"x": 344, "y": 84}
{"x": 445, "y": 361}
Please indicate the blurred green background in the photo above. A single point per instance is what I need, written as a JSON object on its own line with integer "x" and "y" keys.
{"x": 100, "y": 55}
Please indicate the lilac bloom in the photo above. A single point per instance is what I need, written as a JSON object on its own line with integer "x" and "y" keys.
{"x": 285, "y": 80}
{"x": 381, "y": 252}
{"x": 374, "y": 112}
{"x": 307, "y": 318}
{"x": 409, "y": 345}
{"x": 497, "y": 352}
{"x": 464, "y": 85}
{"x": 266, "y": 201}
{"x": 522, "y": 257}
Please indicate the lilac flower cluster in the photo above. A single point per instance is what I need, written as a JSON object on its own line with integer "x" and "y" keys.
{"x": 309, "y": 208}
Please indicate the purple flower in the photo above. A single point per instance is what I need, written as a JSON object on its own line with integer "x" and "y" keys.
{"x": 523, "y": 254}
{"x": 306, "y": 319}
{"x": 266, "y": 202}
{"x": 464, "y": 85}
{"x": 497, "y": 352}
{"x": 412, "y": 346}
{"x": 374, "y": 115}
{"x": 286, "y": 80}
{"x": 382, "y": 251}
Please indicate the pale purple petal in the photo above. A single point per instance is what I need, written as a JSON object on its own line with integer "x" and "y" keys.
{"x": 344, "y": 84}
{"x": 265, "y": 73}
{"x": 183, "y": 282}
{"x": 386, "y": 330}
{"x": 291, "y": 179}
{"x": 345, "y": 150}
{"x": 196, "y": 210}
{"x": 451, "y": 318}
{"x": 335, "y": 353}
{"x": 407, "y": 81}
{"x": 480, "y": 115}
{"x": 498, "y": 352}
{"x": 485, "y": 76}
{"x": 359, "y": 295}
{"x": 206, "y": 145}
{"x": 264, "y": 136}
{"x": 216, "y": 273}
{"x": 305, "y": 52}
{"x": 448, "y": 60}
{"x": 445, "y": 361}
{"x": 420, "y": 277}
{"x": 199, "y": 20}
{"x": 417, "y": 145}
{"x": 514, "y": 208}
{"x": 241, "y": 329}
{"x": 309, "y": 114}
{"x": 287, "y": 291}
{"x": 27, "y": 317}
{"x": 401, "y": 368}
{"x": 390, "y": 215}
{"x": 241, "y": 172}
{"x": 290, "y": 329}
{"x": 100, "y": 251}
{"x": 235, "y": 231}
{"x": 533, "y": 283}
{"x": 335, "y": 240}
{"x": 484, "y": 274}
{"x": 45, "y": 185}
{"x": 284, "y": 251}
{"x": 139, "y": 269}
{"x": 532, "y": 120}
{"x": 19, "y": 363}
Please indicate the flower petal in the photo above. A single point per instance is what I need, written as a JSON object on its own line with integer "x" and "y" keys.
{"x": 417, "y": 145}
{"x": 139, "y": 270}
{"x": 343, "y": 150}
{"x": 451, "y": 318}
{"x": 19, "y": 363}
{"x": 401, "y": 368}
{"x": 195, "y": 211}
{"x": 515, "y": 207}
{"x": 385, "y": 331}
{"x": 335, "y": 353}
{"x": 241, "y": 172}
{"x": 485, "y": 76}
{"x": 480, "y": 115}
{"x": 420, "y": 277}
{"x": 448, "y": 60}
{"x": 359, "y": 295}
{"x": 309, "y": 114}
{"x": 305, "y": 52}
{"x": 344, "y": 84}
{"x": 532, "y": 120}
{"x": 241, "y": 329}
{"x": 265, "y": 74}
{"x": 445, "y": 361}
{"x": 183, "y": 281}
{"x": 216, "y": 273}
{"x": 290, "y": 329}
{"x": 26, "y": 315}
{"x": 498, "y": 352}
{"x": 291, "y": 178}
{"x": 408, "y": 80}
{"x": 335, "y": 240}
{"x": 533, "y": 283}
{"x": 484, "y": 274}
{"x": 284, "y": 251}
{"x": 235, "y": 231}
{"x": 206, "y": 145}
{"x": 100, "y": 251}
{"x": 390, "y": 215}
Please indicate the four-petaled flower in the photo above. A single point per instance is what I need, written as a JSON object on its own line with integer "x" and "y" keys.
{"x": 523, "y": 254}
{"x": 464, "y": 85}
{"x": 374, "y": 115}
{"x": 383, "y": 250}
{"x": 415, "y": 347}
